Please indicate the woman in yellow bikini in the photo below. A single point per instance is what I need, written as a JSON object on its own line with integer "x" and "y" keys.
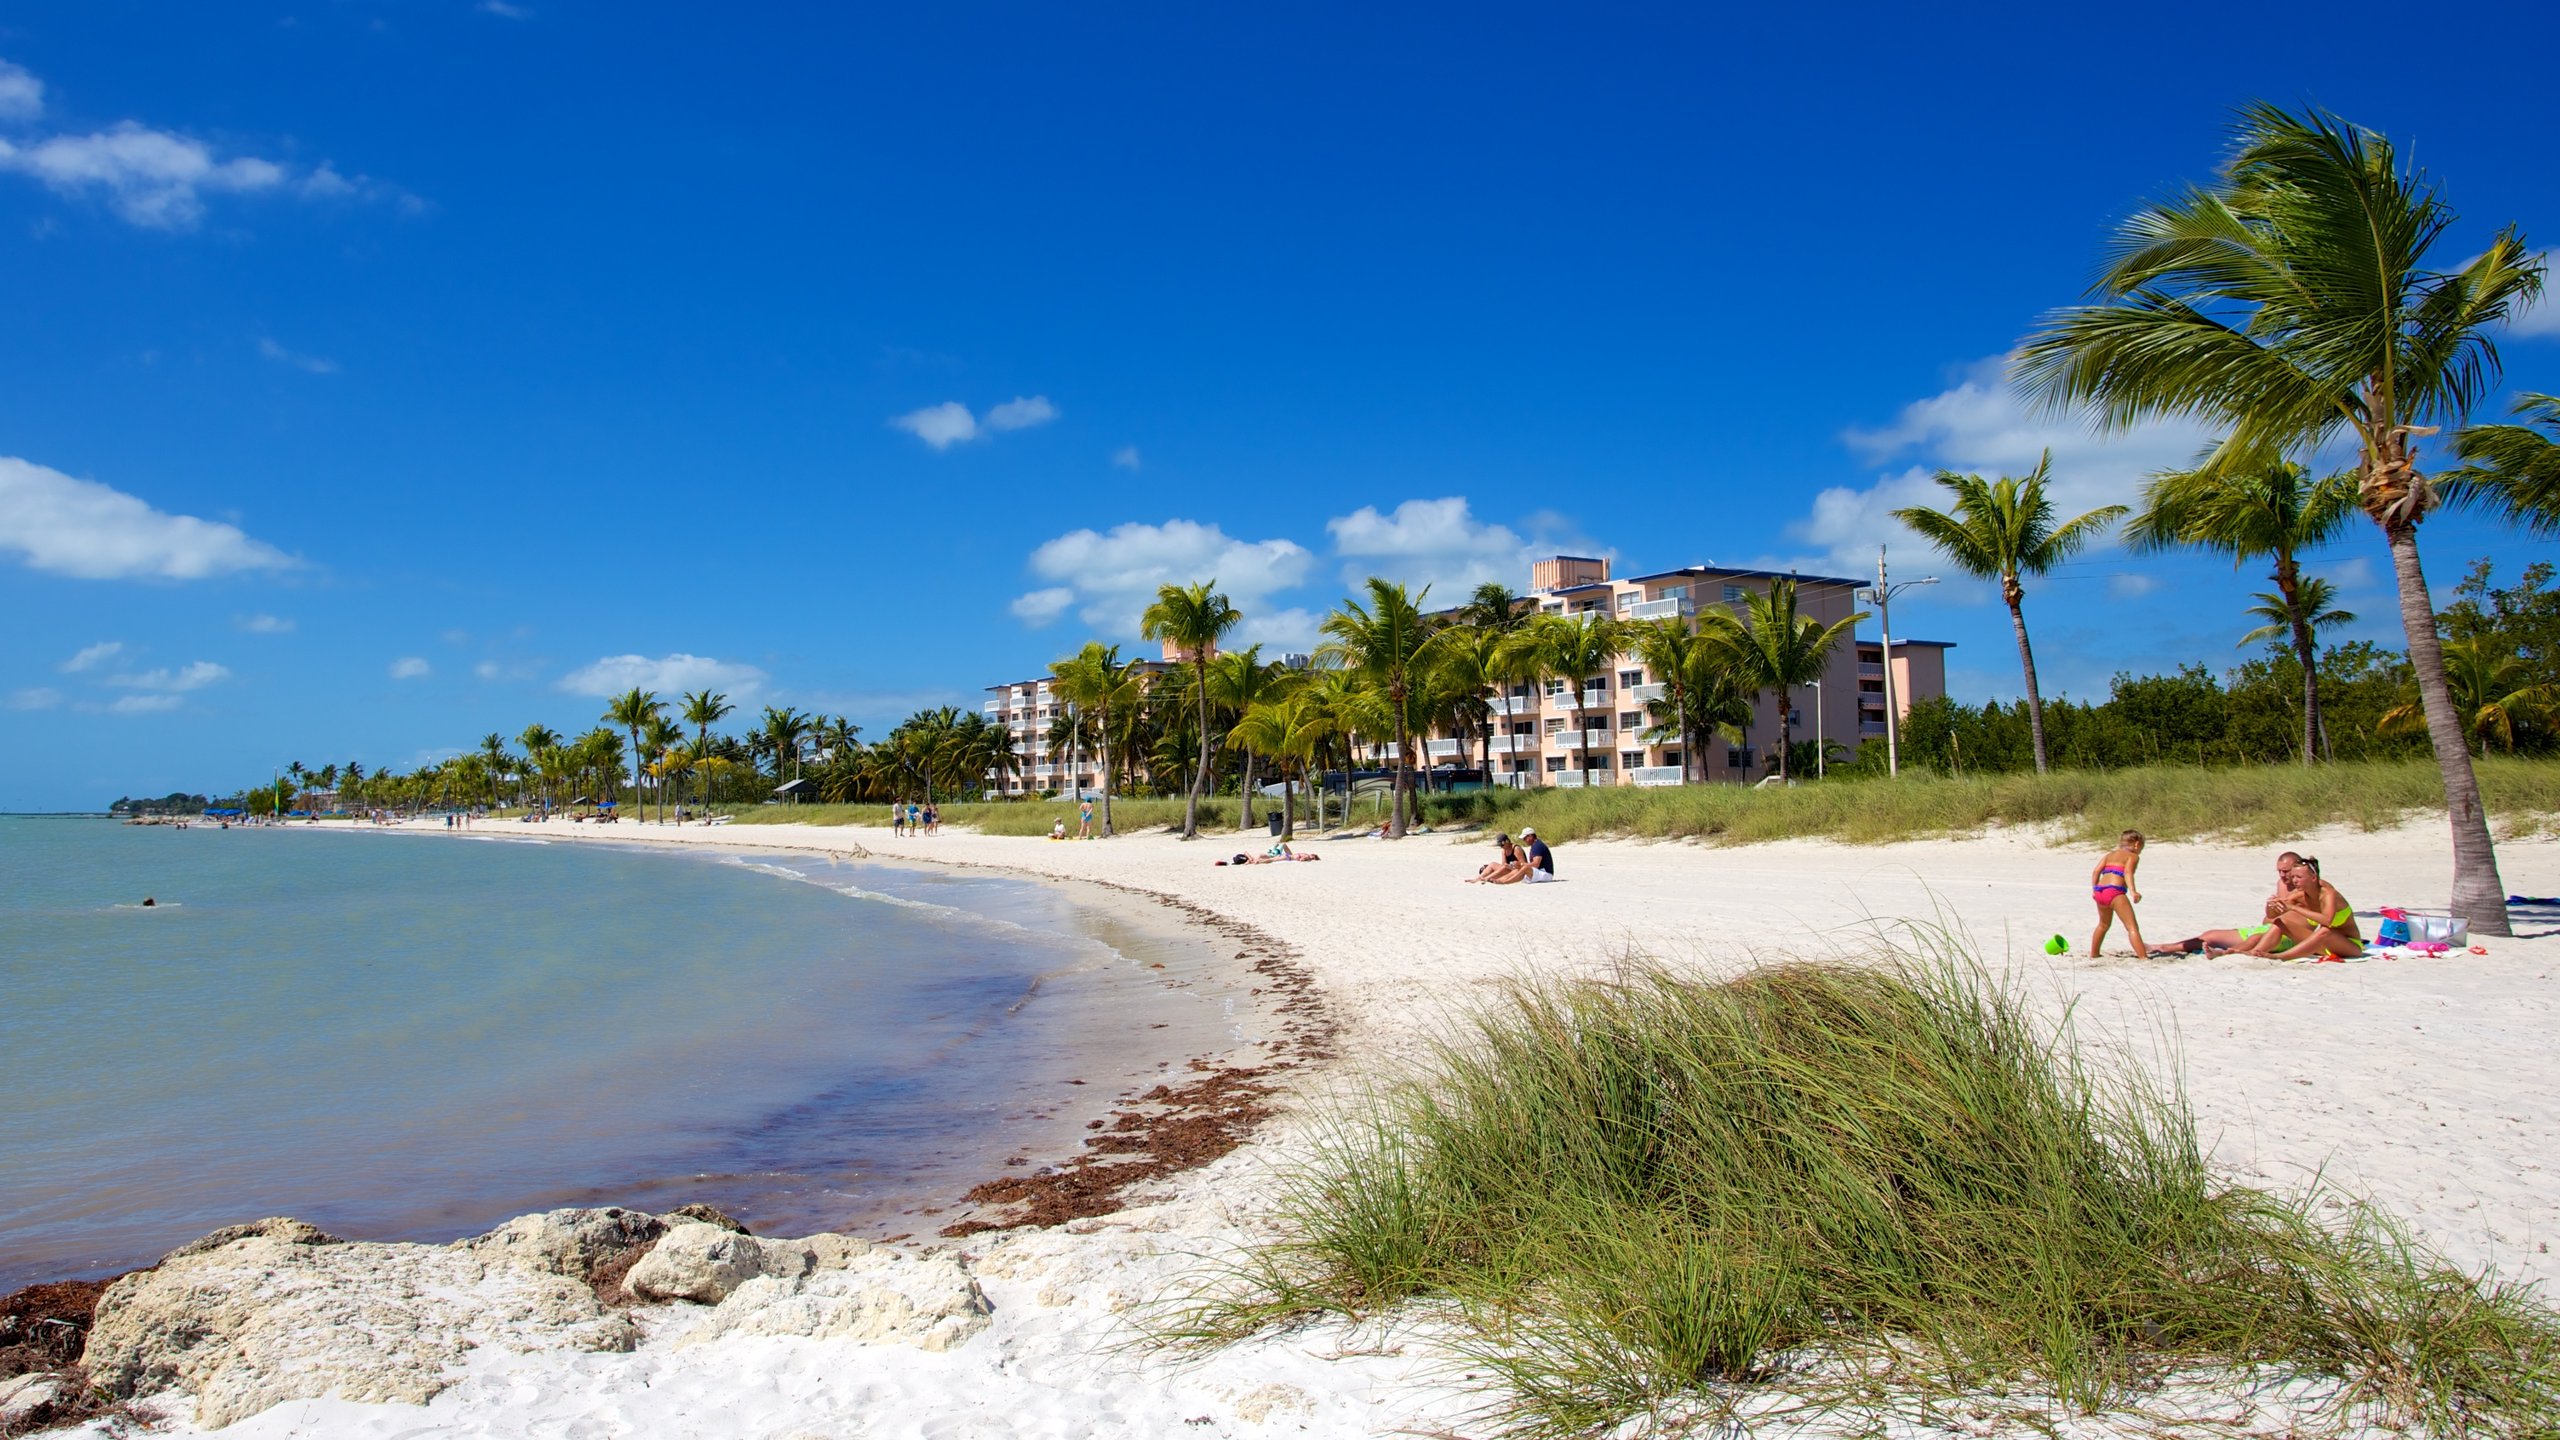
{"x": 2316, "y": 918}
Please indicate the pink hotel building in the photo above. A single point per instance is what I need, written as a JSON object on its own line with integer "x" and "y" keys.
{"x": 1551, "y": 734}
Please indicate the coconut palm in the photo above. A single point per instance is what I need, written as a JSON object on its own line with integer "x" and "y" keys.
{"x": 784, "y": 732}
{"x": 2293, "y": 303}
{"x": 1470, "y": 664}
{"x": 1493, "y": 606}
{"x": 1238, "y": 681}
{"x": 2003, "y": 530}
{"x": 1700, "y": 668}
{"x": 658, "y": 739}
{"x": 1569, "y": 648}
{"x": 1385, "y": 642}
{"x": 1192, "y": 618}
{"x": 2490, "y": 693}
{"x": 1096, "y": 681}
{"x": 1289, "y": 727}
{"x": 636, "y": 710}
{"x": 2263, "y": 509}
{"x": 2514, "y": 469}
{"x": 1781, "y": 650}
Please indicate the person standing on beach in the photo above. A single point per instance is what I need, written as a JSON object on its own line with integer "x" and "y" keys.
{"x": 1084, "y": 818}
{"x": 2111, "y": 886}
{"x": 897, "y": 817}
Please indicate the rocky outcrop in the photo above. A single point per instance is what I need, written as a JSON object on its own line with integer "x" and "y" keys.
{"x": 278, "y": 1312}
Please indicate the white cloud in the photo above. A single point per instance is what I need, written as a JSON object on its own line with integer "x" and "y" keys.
{"x": 1430, "y": 542}
{"x": 1021, "y": 413}
{"x": 92, "y": 655}
{"x": 2541, "y": 319}
{"x": 39, "y": 698}
{"x": 2131, "y": 586}
{"x": 21, "y": 94}
{"x": 1981, "y": 425}
{"x": 91, "y": 531}
{"x": 505, "y": 11}
{"x": 190, "y": 677}
{"x": 666, "y": 674}
{"x": 143, "y": 704}
{"x": 409, "y": 667}
{"x": 950, "y": 423}
{"x": 1113, "y": 577}
{"x": 488, "y": 670}
{"x": 1042, "y": 606}
{"x": 1126, "y": 457}
{"x": 315, "y": 364}
{"x": 265, "y": 624}
{"x": 940, "y": 426}
{"x": 153, "y": 178}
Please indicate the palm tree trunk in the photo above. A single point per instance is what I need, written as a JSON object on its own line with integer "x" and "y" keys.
{"x": 1288, "y": 804}
{"x": 1105, "y": 743}
{"x": 1244, "y": 795}
{"x": 2288, "y": 585}
{"x": 2027, "y": 663}
{"x": 2479, "y": 896}
{"x": 1200, "y": 775}
{"x": 1786, "y": 735}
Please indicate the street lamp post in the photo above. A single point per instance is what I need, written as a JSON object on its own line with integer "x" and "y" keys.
{"x": 1820, "y": 770}
{"x": 1883, "y": 594}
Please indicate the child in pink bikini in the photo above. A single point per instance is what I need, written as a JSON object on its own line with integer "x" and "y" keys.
{"x": 2111, "y": 885}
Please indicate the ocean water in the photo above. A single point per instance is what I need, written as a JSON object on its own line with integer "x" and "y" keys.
{"x": 407, "y": 1036}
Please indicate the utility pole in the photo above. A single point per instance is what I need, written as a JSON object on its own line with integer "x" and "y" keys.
{"x": 1883, "y": 593}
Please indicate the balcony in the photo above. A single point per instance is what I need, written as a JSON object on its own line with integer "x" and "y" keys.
{"x": 1515, "y": 744}
{"x": 1565, "y": 779}
{"x": 1656, "y": 774}
{"x": 1448, "y": 749}
{"x": 1870, "y": 672}
{"x": 1583, "y": 739}
{"x": 1513, "y": 705}
{"x": 1677, "y": 608}
{"x": 1644, "y": 694}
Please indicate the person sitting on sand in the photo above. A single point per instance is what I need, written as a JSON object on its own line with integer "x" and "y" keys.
{"x": 2242, "y": 937}
{"x": 2318, "y": 920}
{"x": 1058, "y": 828}
{"x": 1509, "y": 867}
{"x": 1542, "y": 861}
{"x": 2111, "y": 885}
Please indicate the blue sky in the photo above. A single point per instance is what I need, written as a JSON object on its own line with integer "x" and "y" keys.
{"x": 380, "y": 373}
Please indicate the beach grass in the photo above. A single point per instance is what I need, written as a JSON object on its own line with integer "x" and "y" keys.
{"x": 2250, "y": 804}
{"x": 1837, "y": 1192}
{"x": 1129, "y": 814}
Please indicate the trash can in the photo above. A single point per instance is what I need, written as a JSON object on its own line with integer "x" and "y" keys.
{"x": 1272, "y": 819}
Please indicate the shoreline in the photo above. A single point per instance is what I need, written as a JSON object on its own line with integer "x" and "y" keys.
{"x": 2427, "y": 1086}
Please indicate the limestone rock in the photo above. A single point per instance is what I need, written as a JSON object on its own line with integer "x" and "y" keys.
{"x": 25, "y": 1398}
{"x": 706, "y": 1264}
{"x": 278, "y": 1227}
{"x": 708, "y": 1215}
{"x": 931, "y": 1302}
{"x": 252, "y": 1322}
{"x": 575, "y": 1243}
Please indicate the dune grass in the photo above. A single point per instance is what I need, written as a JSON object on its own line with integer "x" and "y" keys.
{"x": 2251, "y": 804}
{"x": 1832, "y": 1191}
{"x": 1007, "y": 817}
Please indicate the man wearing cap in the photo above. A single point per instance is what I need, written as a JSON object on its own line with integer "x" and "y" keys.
{"x": 1542, "y": 861}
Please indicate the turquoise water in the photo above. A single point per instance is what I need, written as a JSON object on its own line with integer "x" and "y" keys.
{"x": 397, "y": 1035}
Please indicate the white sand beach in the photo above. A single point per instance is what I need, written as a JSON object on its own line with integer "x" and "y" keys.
{"x": 2431, "y": 1086}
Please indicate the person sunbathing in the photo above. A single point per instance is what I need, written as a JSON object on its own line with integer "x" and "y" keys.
{"x": 1509, "y": 867}
{"x": 2242, "y": 937}
{"x": 2317, "y": 921}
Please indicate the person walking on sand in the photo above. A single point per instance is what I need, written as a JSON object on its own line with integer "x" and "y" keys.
{"x": 2112, "y": 886}
{"x": 897, "y": 818}
{"x": 1084, "y": 818}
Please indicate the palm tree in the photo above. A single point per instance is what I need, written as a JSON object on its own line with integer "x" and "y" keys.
{"x": 1385, "y": 642}
{"x": 1782, "y": 650}
{"x": 2514, "y": 469}
{"x": 538, "y": 742}
{"x": 1289, "y": 727}
{"x": 2294, "y": 303}
{"x": 2004, "y": 530}
{"x": 1238, "y": 681}
{"x": 1570, "y": 648}
{"x": 1700, "y": 669}
{"x": 2309, "y": 607}
{"x": 1493, "y": 606}
{"x": 1469, "y": 666}
{"x": 2265, "y": 509}
{"x": 1094, "y": 680}
{"x": 2489, "y": 693}
{"x": 635, "y": 710}
{"x": 784, "y": 731}
{"x": 702, "y": 710}
{"x": 1192, "y": 618}
{"x": 658, "y": 739}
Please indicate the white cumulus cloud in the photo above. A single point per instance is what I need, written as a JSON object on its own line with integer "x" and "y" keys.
{"x": 1435, "y": 543}
{"x": 91, "y": 531}
{"x": 1126, "y": 457}
{"x": 410, "y": 667}
{"x": 1112, "y": 576}
{"x": 154, "y": 178}
{"x": 21, "y": 94}
{"x": 93, "y": 655}
{"x": 951, "y": 423}
{"x": 143, "y": 704}
{"x": 2541, "y": 319}
{"x": 175, "y": 682}
{"x": 1980, "y": 425}
{"x": 40, "y": 697}
{"x": 265, "y": 624}
{"x": 1021, "y": 413}
{"x": 664, "y": 674}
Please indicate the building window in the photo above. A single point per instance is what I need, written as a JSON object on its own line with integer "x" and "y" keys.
{"x": 1630, "y": 679}
{"x": 1555, "y": 726}
{"x": 1596, "y": 684}
{"x": 1733, "y": 594}
{"x": 1672, "y": 592}
{"x": 1630, "y": 719}
{"x": 1555, "y": 762}
{"x": 1738, "y": 757}
{"x": 1632, "y": 759}
{"x": 1600, "y": 761}
{"x": 1671, "y": 757}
